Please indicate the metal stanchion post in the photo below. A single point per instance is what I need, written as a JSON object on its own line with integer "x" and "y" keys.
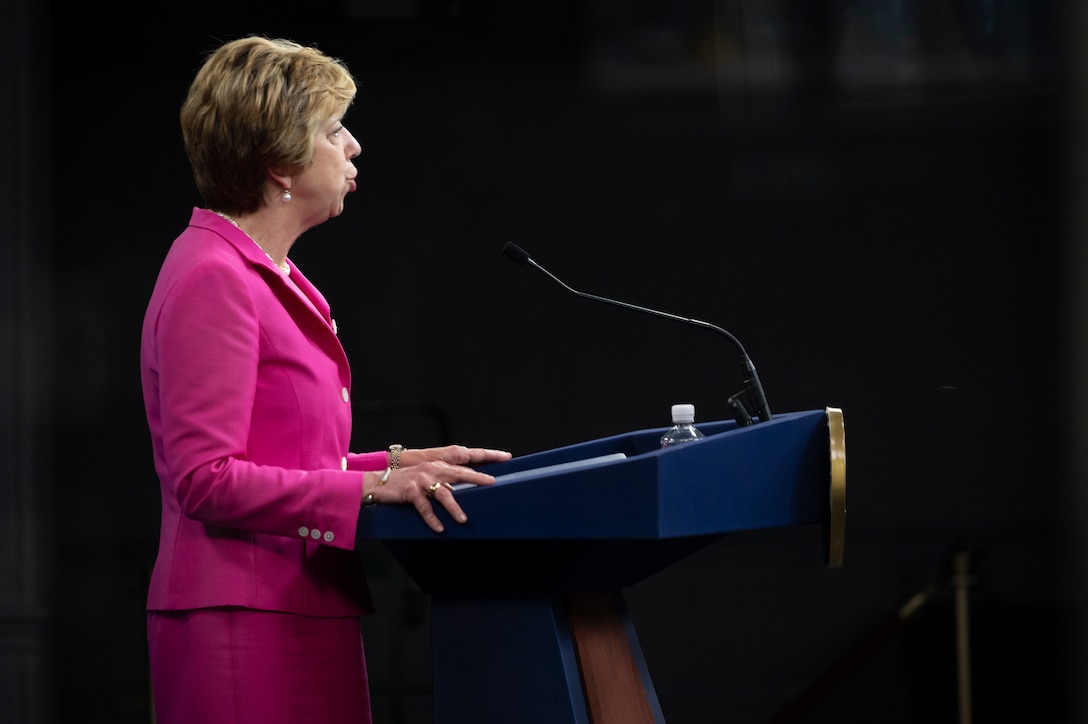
{"x": 962, "y": 579}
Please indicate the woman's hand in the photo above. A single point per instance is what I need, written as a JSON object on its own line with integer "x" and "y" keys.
{"x": 430, "y": 473}
{"x": 453, "y": 454}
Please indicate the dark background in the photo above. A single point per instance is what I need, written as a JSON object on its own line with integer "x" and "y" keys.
{"x": 871, "y": 195}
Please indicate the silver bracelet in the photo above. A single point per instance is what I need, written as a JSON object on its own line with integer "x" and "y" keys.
{"x": 394, "y": 455}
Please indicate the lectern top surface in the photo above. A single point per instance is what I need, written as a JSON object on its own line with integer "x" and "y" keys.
{"x": 625, "y": 487}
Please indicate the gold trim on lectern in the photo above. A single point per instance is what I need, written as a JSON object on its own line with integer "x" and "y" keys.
{"x": 835, "y": 526}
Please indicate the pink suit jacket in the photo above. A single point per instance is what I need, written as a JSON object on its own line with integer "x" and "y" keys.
{"x": 247, "y": 394}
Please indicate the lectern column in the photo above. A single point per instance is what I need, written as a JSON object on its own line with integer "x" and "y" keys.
{"x": 555, "y": 660}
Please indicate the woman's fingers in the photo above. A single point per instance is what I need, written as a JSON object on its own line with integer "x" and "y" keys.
{"x": 423, "y": 507}
{"x": 443, "y": 494}
{"x": 486, "y": 455}
{"x": 453, "y": 454}
{"x": 443, "y": 472}
{"x": 435, "y": 480}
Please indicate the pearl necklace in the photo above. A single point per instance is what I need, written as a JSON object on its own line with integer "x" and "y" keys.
{"x": 284, "y": 268}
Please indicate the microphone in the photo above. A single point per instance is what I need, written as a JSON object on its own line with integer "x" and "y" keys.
{"x": 748, "y": 402}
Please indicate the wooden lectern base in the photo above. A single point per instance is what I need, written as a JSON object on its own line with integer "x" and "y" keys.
{"x": 612, "y": 683}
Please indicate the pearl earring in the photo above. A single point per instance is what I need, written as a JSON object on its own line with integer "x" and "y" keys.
{"x": 287, "y": 194}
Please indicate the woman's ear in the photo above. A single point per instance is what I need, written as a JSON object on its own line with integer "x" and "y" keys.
{"x": 282, "y": 180}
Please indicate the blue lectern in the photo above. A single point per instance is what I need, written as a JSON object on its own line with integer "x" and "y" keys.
{"x": 528, "y": 618}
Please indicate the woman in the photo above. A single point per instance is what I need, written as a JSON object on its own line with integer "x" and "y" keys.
{"x": 256, "y": 592}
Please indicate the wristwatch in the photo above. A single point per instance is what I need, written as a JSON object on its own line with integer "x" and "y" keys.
{"x": 394, "y": 455}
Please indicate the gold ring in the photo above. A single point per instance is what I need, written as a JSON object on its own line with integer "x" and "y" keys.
{"x": 433, "y": 488}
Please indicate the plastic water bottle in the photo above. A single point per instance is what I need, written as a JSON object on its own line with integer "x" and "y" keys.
{"x": 683, "y": 427}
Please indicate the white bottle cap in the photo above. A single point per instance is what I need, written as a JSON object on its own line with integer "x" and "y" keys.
{"x": 683, "y": 414}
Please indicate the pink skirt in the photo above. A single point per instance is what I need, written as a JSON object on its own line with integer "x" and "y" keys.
{"x": 239, "y": 666}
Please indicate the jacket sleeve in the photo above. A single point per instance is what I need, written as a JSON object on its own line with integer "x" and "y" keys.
{"x": 209, "y": 340}
{"x": 368, "y": 461}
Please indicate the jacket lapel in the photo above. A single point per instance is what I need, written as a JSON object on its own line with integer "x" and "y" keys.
{"x": 302, "y": 299}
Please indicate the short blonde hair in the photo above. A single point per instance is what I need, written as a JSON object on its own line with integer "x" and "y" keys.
{"x": 256, "y": 105}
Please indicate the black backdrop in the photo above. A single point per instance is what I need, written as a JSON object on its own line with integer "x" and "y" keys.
{"x": 871, "y": 201}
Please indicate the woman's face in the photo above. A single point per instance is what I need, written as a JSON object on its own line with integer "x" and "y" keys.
{"x": 322, "y": 185}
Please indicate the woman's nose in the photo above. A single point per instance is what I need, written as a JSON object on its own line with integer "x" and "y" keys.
{"x": 353, "y": 147}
